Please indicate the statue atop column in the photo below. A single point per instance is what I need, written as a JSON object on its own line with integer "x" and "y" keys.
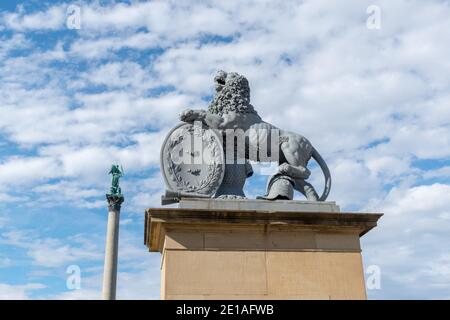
{"x": 116, "y": 172}
{"x": 115, "y": 197}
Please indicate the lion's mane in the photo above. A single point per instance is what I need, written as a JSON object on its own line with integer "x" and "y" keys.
{"x": 233, "y": 97}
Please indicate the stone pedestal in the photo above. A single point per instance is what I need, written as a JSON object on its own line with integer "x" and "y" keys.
{"x": 242, "y": 253}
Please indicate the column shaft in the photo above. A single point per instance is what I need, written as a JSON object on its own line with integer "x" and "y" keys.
{"x": 111, "y": 252}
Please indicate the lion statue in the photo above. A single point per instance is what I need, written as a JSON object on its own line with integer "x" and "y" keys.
{"x": 231, "y": 109}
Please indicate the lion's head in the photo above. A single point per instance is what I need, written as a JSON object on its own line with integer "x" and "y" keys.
{"x": 232, "y": 94}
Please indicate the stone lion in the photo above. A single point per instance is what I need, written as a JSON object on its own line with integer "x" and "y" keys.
{"x": 231, "y": 109}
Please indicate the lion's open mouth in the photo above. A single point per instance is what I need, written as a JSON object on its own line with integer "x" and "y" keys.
{"x": 220, "y": 83}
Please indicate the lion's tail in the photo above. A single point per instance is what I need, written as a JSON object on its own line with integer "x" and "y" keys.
{"x": 326, "y": 172}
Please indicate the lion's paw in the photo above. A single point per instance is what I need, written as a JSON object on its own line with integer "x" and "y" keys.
{"x": 187, "y": 115}
{"x": 190, "y": 115}
{"x": 284, "y": 168}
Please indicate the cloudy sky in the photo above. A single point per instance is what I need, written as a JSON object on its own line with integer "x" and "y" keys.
{"x": 368, "y": 82}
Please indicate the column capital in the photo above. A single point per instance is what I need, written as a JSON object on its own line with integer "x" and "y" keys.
{"x": 114, "y": 201}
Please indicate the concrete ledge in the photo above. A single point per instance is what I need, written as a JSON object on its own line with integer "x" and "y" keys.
{"x": 208, "y": 222}
{"x": 251, "y": 240}
{"x": 254, "y": 205}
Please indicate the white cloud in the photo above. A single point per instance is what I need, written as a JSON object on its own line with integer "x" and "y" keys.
{"x": 69, "y": 193}
{"x": 16, "y": 42}
{"x": 443, "y": 172}
{"x": 141, "y": 285}
{"x": 119, "y": 75}
{"x": 78, "y": 294}
{"x": 52, "y": 252}
{"x": 108, "y": 46}
{"x": 5, "y": 198}
{"x": 354, "y": 184}
{"x": 16, "y": 171}
{"x": 53, "y": 18}
{"x": 138, "y": 274}
{"x": 410, "y": 244}
{"x": 420, "y": 199}
{"x": 18, "y": 292}
{"x": 166, "y": 18}
{"x": 5, "y": 262}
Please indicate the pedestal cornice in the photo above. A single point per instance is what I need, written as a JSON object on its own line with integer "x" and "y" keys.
{"x": 157, "y": 220}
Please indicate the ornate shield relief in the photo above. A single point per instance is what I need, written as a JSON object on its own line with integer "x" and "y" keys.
{"x": 192, "y": 160}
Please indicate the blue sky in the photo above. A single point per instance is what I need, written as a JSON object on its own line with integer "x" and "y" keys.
{"x": 375, "y": 103}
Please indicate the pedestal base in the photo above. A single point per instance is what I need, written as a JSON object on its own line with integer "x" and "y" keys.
{"x": 231, "y": 254}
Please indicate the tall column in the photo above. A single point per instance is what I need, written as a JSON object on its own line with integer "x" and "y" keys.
{"x": 112, "y": 247}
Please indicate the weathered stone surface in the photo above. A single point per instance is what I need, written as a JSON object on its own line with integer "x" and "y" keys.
{"x": 263, "y": 275}
{"x": 230, "y": 110}
{"x": 231, "y": 127}
{"x": 192, "y": 160}
{"x": 245, "y": 254}
{"x": 247, "y": 204}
